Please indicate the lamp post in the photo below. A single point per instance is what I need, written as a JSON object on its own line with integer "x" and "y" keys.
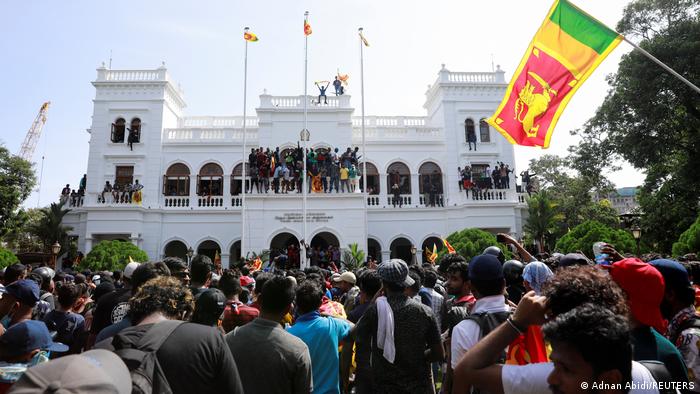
{"x": 55, "y": 250}
{"x": 414, "y": 261}
{"x": 190, "y": 252}
{"x": 637, "y": 234}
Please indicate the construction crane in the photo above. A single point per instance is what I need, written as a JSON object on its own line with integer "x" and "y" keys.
{"x": 34, "y": 134}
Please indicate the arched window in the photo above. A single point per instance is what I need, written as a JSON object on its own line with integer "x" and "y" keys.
{"x": 176, "y": 181}
{"x": 484, "y": 132}
{"x": 135, "y": 130}
{"x": 429, "y": 175}
{"x": 469, "y": 131}
{"x": 210, "y": 181}
{"x": 399, "y": 174}
{"x": 236, "y": 179}
{"x": 372, "y": 178}
{"x": 118, "y": 130}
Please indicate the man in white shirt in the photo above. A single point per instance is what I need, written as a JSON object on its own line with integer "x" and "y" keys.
{"x": 490, "y": 309}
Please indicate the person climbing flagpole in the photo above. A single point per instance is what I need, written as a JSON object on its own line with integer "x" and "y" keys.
{"x": 247, "y": 36}
{"x": 363, "y": 42}
{"x": 305, "y": 138}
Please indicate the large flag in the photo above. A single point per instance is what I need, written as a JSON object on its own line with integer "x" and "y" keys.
{"x": 307, "y": 28}
{"x": 566, "y": 49}
{"x": 248, "y": 36}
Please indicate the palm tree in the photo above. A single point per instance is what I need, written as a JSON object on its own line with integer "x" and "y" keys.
{"x": 49, "y": 228}
{"x": 543, "y": 218}
{"x": 353, "y": 258}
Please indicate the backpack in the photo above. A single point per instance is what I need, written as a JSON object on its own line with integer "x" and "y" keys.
{"x": 146, "y": 373}
{"x": 487, "y": 322}
{"x": 660, "y": 373}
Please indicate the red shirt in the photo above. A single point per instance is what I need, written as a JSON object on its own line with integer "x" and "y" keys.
{"x": 237, "y": 314}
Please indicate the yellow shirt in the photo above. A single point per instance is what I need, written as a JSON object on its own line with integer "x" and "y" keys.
{"x": 343, "y": 173}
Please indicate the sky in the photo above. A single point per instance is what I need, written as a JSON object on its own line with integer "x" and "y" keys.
{"x": 52, "y": 48}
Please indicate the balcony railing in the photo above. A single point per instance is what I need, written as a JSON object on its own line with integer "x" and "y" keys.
{"x": 426, "y": 202}
{"x": 196, "y": 135}
{"x": 176, "y": 202}
{"x": 216, "y": 122}
{"x": 401, "y": 201}
{"x": 392, "y": 121}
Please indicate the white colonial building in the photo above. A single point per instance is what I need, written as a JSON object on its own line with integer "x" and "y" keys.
{"x": 178, "y": 156}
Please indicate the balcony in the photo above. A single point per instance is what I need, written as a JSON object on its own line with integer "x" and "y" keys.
{"x": 208, "y": 136}
{"x": 395, "y": 128}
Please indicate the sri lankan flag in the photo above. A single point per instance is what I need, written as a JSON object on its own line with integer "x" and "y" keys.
{"x": 248, "y": 36}
{"x": 566, "y": 49}
{"x": 307, "y": 28}
{"x": 449, "y": 247}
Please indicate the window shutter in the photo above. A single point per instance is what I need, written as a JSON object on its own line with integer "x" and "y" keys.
{"x": 198, "y": 191}
{"x": 113, "y": 136}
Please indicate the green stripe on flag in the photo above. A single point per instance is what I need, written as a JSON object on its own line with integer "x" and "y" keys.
{"x": 582, "y": 27}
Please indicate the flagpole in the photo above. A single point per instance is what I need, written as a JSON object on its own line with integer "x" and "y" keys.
{"x": 243, "y": 185}
{"x": 305, "y": 138}
{"x": 364, "y": 154}
{"x": 662, "y": 65}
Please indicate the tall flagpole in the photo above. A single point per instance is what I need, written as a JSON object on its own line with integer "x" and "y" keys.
{"x": 364, "y": 154}
{"x": 305, "y": 138}
{"x": 243, "y": 185}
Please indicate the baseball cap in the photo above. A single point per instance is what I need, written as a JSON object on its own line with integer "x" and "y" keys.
{"x": 395, "y": 271}
{"x": 96, "y": 371}
{"x": 209, "y": 306}
{"x": 571, "y": 259}
{"x": 485, "y": 267}
{"x": 130, "y": 268}
{"x": 674, "y": 273}
{"x": 29, "y": 335}
{"x": 246, "y": 281}
{"x": 644, "y": 286}
{"x": 348, "y": 277}
{"x": 26, "y": 291}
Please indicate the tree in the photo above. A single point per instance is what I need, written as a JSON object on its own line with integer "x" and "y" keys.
{"x": 582, "y": 237}
{"x": 353, "y": 257}
{"x": 50, "y": 229}
{"x": 689, "y": 241}
{"x": 16, "y": 183}
{"x": 112, "y": 256}
{"x": 471, "y": 242}
{"x": 7, "y": 258}
{"x": 20, "y": 237}
{"x": 543, "y": 217}
{"x": 652, "y": 119}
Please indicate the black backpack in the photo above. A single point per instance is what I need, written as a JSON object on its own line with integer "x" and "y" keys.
{"x": 487, "y": 322}
{"x": 146, "y": 373}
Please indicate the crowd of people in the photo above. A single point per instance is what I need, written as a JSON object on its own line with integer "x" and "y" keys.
{"x": 72, "y": 197}
{"x": 327, "y": 170}
{"x": 485, "y": 178}
{"x": 121, "y": 193}
{"x": 563, "y": 324}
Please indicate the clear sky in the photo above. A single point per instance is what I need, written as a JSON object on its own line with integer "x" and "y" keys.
{"x": 52, "y": 48}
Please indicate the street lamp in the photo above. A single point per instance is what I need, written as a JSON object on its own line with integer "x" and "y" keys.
{"x": 55, "y": 249}
{"x": 637, "y": 234}
{"x": 190, "y": 252}
{"x": 414, "y": 261}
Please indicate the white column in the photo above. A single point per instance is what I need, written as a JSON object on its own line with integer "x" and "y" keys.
{"x": 386, "y": 255}
{"x": 88, "y": 244}
{"x": 225, "y": 260}
{"x": 193, "y": 190}
{"x": 227, "y": 190}
{"x": 383, "y": 192}
{"x": 415, "y": 190}
{"x": 134, "y": 238}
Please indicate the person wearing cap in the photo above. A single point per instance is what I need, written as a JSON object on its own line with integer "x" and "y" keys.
{"x": 321, "y": 334}
{"x": 348, "y": 290}
{"x": 678, "y": 306}
{"x": 95, "y": 371}
{"x": 17, "y": 302}
{"x": 644, "y": 287}
{"x": 274, "y": 349}
{"x": 488, "y": 285}
{"x": 209, "y": 307}
{"x": 113, "y": 307}
{"x": 401, "y": 335}
{"x": 236, "y": 313}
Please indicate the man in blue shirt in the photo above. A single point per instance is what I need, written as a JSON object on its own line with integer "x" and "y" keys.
{"x": 322, "y": 335}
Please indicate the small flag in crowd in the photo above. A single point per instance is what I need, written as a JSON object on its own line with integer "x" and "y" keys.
{"x": 364, "y": 40}
{"x": 307, "y": 28}
{"x": 248, "y": 36}
{"x": 449, "y": 247}
{"x": 566, "y": 49}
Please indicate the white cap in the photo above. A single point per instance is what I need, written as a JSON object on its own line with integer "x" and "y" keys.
{"x": 130, "y": 268}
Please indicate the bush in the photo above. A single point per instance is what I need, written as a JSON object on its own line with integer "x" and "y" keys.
{"x": 582, "y": 237}
{"x": 7, "y": 258}
{"x": 112, "y": 256}
{"x": 689, "y": 241}
{"x": 471, "y": 242}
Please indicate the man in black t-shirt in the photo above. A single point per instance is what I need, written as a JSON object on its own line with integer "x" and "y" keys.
{"x": 113, "y": 307}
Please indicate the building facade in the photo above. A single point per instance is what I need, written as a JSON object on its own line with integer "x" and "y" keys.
{"x": 622, "y": 200}
{"x": 190, "y": 168}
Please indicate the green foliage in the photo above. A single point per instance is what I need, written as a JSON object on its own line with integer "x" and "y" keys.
{"x": 353, "y": 257}
{"x": 543, "y": 218}
{"x": 17, "y": 180}
{"x": 49, "y": 228}
{"x": 112, "y": 255}
{"x": 7, "y": 258}
{"x": 20, "y": 237}
{"x": 471, "y": 242}
{"x": 689, "y": 241}
{"x": 582, "y": 237}
{"x": 652, "y": 119}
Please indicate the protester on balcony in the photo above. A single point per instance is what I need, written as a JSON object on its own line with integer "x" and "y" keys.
{"x": 106, "y": 189}
{"x": 396, "y": 191}
{"x": 322, "y": 92}
{"x": 344, "y": 174}
{"x": 471, "y": 137}
{"x": 65, "y": 193}
{"x": 338, "y": 85}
